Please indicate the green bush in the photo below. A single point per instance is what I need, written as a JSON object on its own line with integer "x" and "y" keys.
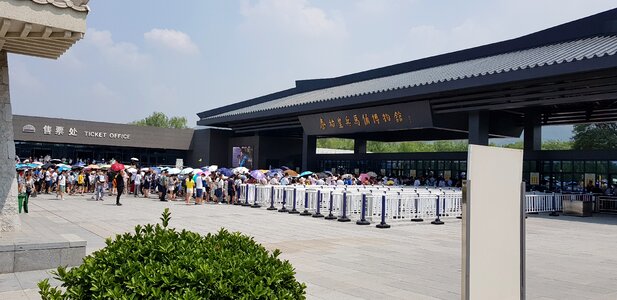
{"x": 157, "y": 262}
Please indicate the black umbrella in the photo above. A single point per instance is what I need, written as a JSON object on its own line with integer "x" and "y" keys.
{"x": 48, "y": 165}
{"x": 55, "y": 160}
{"x": 322, "y": 175}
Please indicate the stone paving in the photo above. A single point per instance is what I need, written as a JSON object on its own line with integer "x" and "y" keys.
{"x": 567, "y": 257}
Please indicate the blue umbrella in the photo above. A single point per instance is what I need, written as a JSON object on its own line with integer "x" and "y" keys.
{"x": 306, "y": 173}
{"x": 275, "y": 171}
{"x": 63, "y": 168}
{"x": 257, "y": 174}
{"x": 285, "y": 168}
{"x": 156, "y": 170}
{"x": 225, "y": 172}
{"x": 20, "y": 166}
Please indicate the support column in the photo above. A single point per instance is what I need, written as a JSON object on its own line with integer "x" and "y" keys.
{"x": 478, "y": 127}
{"x": 9, "y": 219}
{"x": 359, "y": 146}
{"x": 309, "y": 149}
{"x": 533, "y": 132}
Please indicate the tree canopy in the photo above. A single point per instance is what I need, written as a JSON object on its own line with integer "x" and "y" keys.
{"x": 599, "y": 136}
{"x": 159, "y": 119}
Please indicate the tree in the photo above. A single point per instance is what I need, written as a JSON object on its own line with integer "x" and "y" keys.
{"x": 599, "y": 136}
{"x": 556, "y": 145}
{"x": 159, "y": 119}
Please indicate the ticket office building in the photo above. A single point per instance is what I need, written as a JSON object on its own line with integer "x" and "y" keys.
{"x": 38, "y": 137}
{"x": 566, "y": 74}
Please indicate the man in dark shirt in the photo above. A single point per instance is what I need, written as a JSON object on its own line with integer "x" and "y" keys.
{"x": 119, "y": 186}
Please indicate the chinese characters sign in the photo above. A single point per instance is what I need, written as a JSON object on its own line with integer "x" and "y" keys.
{"x": 370, "y": 119}
{"x": 72, "y": 131}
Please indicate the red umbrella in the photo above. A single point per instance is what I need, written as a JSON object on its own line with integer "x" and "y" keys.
{"x": 116, "y": 167}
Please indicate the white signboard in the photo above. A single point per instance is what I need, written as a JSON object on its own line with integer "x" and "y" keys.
{"x": 493, "y": 225}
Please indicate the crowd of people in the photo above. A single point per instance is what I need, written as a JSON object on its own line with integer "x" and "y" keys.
{"x": 197, "y": 187}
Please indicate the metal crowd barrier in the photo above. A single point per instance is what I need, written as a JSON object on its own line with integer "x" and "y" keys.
{"x": 382, "y": 204}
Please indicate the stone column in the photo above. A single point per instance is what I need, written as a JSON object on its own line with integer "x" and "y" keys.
{"x": 9, "y": 219}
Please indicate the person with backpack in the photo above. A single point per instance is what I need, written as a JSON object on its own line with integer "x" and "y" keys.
{"x": 29, "y": 186}
{"x": 163, "y": 186}
{"x": 100, "y": 181}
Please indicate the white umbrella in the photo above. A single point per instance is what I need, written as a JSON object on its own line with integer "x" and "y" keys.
{"x": 187, "y": 171}
{"x": 132, "y": 170}
{"x": 240, "y": 170}
{"x": 372, "y": 174}
{"x": 145, "y": 169}
{"x": 213, "y": 168}
{"x": 135, "y": 158}
{"x": 174, "y": 171}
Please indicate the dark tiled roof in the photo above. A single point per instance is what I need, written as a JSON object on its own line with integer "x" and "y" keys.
{"x": 538, "y": 57}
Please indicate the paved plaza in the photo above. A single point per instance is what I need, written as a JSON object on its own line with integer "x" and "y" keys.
{"x": 567, "y": 257}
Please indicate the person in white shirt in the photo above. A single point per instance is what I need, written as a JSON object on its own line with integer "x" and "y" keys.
{"x": 47, "y": 181}
{"x": 61, "y": 185}
{"x": 274, "y": 180}
{"x": 137, "y": 183}
{"x": 199, "y": 189}
{"x": 416, "y": 182}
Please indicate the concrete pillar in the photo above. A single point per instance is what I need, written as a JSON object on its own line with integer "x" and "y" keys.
{"x": 9, "y": 219}
{"x": 478, "y": 127}
{"x": 359, "y": 146}
{"x": 309, "y": 149}
{"x": 533, "y": 132}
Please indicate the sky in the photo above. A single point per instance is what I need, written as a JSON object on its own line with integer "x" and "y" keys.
{"x": 184, "y": 57}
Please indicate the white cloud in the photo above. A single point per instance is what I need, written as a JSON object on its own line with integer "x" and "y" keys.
{"x": 291, "y": 16}
{"x": 117, "y": 53}
{"x": 171, "y": 39}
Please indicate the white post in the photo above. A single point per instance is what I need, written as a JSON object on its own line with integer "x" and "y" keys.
{"x": 9, "y": 219}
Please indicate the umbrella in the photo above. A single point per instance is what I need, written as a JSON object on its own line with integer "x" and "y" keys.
{"x": 19, "y": 166}
{"x": 322, "y": 175}
{"x": 306, "y": 173}
{"x": 76, "y": 167}
{"x": 37, "y": 163}
{"x": 116, "y": 167}
{"x": 291, "y": 173}
{"x": 145, "y": 169}
{"x": 131, "y": 170}
{"x": 372, "y": 174}
{"x": 48, "y": 165}
{"x": 156, "y": 170}
{"x": 328, "y": 173}
{"x": 363, "y": 177}
{"x": 55, "y": 160}
{"x": 63, "y": 168}
{"x": 257, "y": 174}
{"x": 174, "y": 171}
{"x": 33, "y": 166}
{"x": 272, "y": 171}
{"x": 93, "y": 167}
{"x": 240, "y": 170}
{"x": 134, "y": 159}
{"x": 225, "y": 172}
{"x": 106, "y": 167}
{"x": 186, "y": 171}
{"x": 213, "y": 168}
{"x": 285, "y": 168}
{"x": 81, "y": 164}
{"x": 347, "y": 176}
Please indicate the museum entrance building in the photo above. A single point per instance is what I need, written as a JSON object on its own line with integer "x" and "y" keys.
{"x": 562, "y": 75}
